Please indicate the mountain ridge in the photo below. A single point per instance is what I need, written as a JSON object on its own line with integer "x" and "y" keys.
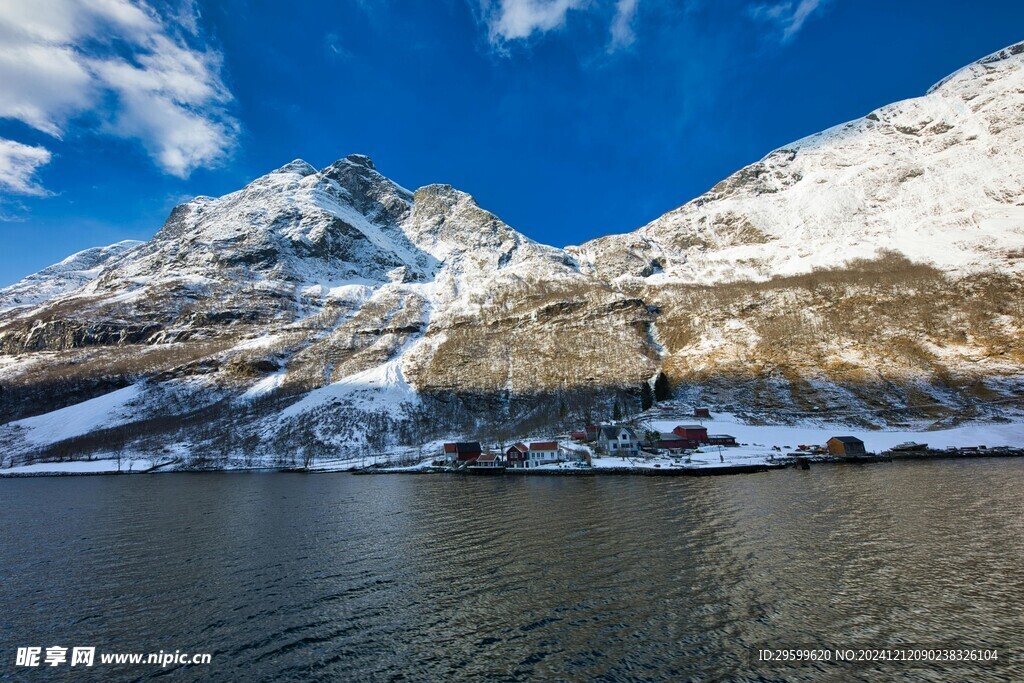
{"x": 877, "y": 263}
{"x": 875, "y": 161}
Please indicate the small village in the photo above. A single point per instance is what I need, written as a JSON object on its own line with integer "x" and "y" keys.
{"x": 622, "y": 446}
{"x": 685, "y": 449}
{"x": 582, "y": 447}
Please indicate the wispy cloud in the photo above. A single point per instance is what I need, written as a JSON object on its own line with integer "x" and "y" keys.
{"x": 518, "y": 20}
{"x": 788, "y": 17}
{"x": 334, "y": 47}
{"x": 139, "y": 74}
{"x": 18, "y": 164}
{"x": 622, "y": 24}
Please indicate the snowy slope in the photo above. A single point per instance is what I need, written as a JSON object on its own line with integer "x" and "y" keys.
{"x": 937, "y": 178}
{"x": 103, "y": 411}
{"x": 70, "y": 274}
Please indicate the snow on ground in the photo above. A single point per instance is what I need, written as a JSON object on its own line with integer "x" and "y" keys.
{"x": 265, "y": 386}
{"x": 263, "y": 341}
{"x": 346, "y": 464}
{"x": 107, "y": 410}
{"x": 706, "y": 457}
{"x": 785, "y": 436}
{"x": 356, "y": 289}
{"x": 81, "y": 467}
{"x": 382, "y": 387}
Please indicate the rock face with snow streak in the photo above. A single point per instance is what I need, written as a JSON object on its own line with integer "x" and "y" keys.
{"x": 332, "y": 312}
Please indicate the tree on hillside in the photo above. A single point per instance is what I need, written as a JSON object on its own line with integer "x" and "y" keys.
{"x": 662, "y": 388}
{"x": 646, "y": 396}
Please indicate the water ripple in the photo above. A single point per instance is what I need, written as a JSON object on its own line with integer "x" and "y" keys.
{"x": 336, "y": 577}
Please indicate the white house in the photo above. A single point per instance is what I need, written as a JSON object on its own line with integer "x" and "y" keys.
{"x": 618, "y": 441}
{"x": 543, "y": 452}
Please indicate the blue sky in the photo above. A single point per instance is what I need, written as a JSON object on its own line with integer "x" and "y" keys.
{"x": 570, "y": 119}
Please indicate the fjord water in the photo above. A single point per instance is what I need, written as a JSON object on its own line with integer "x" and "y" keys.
{"x": 288, "y": 577}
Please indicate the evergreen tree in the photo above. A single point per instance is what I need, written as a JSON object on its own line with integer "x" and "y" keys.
{"x": 662, "y": 388}
{"x": 646, "y": 396}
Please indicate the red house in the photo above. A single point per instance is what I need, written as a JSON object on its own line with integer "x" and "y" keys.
{"x": 692, "y": 432}
{"x": 579, "y": 436}
{"x": 517, "y": 454}
{"x": 462, "y": 451}
{"x": 702, "y": 412}
{"x": 592, "y": 432}
{"x": 674, "y": 442}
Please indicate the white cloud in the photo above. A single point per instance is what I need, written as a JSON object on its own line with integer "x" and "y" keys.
{"x": 143, "y": 76}
{"x": 18, "y": 164}
{"x": 511, "y": 20}
{"x": 622, "y": 24}
{"x": 788, "y": 16}
{"x": 171, "y": 101}
{"x": 42, "y": 85}
{"x": 519, "y": 19}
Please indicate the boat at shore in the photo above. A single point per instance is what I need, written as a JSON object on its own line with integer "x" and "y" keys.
{"x": 909, "y": 447}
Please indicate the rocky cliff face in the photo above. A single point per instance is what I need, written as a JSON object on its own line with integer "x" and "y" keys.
{"x": 873, "y": 266}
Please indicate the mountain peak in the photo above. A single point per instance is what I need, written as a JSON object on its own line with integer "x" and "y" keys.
{"x": 297, "y": 166}
{"x": 983, "y": 66}
{"x": 354, "y": 168}
{"x": 361, "y": 160}
{"x": 304, "y": 168}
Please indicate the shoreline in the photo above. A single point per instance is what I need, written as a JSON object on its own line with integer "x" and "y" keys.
{"x": 785, "y": 462}
{"x": 594, "y": 471}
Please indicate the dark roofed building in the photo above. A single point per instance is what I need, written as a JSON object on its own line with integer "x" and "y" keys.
{"x": 845, "y": 445}
{"x": 462, "y": 451}
{"x": 702, "y": 412}
{"x": 618, "y": 440}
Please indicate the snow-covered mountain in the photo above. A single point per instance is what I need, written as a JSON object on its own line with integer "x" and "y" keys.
{"x": 70, "y": 274}
{"x": 323, "y": 312}
{"x": 938, "y": 179}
